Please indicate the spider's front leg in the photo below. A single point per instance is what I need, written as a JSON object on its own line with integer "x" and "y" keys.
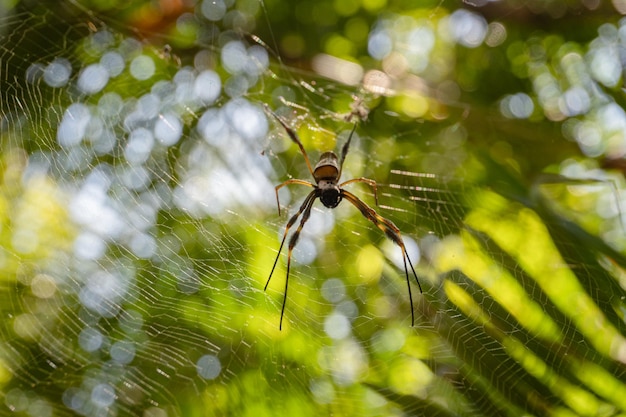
{"x": 344, "y": 150}
{"x": 293, "y": 136}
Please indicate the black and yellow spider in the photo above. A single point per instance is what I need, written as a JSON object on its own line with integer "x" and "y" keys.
{"x": 327, "y": 173}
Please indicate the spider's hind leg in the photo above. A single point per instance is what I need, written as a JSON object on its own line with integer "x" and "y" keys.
{"x": 305, "y": 210}
{"x": 292, "y": 244}
{"x": 393, "y": 233}
{"x": 308, "y": 201}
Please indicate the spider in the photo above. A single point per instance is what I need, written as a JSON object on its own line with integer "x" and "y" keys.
{"x": 327, "y": 188}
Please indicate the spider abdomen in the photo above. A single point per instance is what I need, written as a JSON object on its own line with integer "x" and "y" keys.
{"x": 327, "y": 168}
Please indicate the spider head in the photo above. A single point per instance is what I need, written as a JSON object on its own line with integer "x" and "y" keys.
{"x": 329, "y": 193}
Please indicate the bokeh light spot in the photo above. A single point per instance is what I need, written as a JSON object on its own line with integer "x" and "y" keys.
{"x": 142, "y": 67}
{"x": 209, "y": 366}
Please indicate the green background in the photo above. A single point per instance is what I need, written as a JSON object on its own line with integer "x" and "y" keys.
{"x": 502, "y": 158}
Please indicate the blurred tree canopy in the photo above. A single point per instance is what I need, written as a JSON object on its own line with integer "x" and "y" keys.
{"x": 138, "y": 221}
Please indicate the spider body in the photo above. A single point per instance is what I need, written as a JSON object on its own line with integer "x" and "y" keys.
{"x": 327, "y": 188}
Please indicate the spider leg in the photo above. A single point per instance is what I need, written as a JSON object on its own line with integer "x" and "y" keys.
{"x": 307, "y": 201}
{"x": 292, "y": 244}
{"x": 344, "y": 151}
{"x": 392, "y": 232}
{"x": 294, "y": 137}
{"x": 368, "y": 181}
{"x": 306, "y": 208}
{"x": 291, "y": 181}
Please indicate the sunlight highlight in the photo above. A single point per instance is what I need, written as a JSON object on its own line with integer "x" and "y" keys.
{"x": 337, "y": 69}
{"x": 520, "y": 232}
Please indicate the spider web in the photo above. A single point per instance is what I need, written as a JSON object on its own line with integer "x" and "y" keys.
{"x": 139, "y": 226}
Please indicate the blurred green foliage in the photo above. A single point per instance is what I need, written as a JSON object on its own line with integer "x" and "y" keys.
{"x": 496, "y": 133}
